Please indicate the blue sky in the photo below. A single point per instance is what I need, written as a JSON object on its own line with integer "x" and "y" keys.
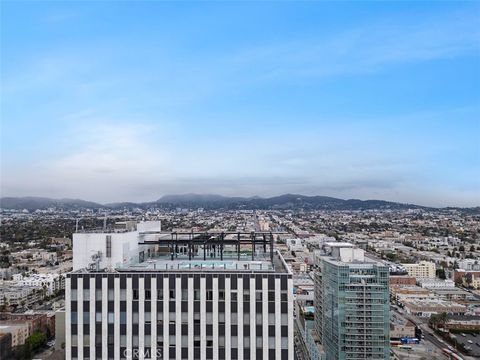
{"x": 127, "y": 101}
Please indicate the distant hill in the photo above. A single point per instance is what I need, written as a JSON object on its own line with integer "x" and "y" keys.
{"x": 287, "y": 201}
{"x": 216, "y": 202}
{"x": 35, "y": 203}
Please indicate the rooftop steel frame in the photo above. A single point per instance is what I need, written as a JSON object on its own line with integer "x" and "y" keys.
{"x": 213, "y": 241}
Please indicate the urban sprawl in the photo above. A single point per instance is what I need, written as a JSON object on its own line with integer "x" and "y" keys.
{"x": 239, "y": 284}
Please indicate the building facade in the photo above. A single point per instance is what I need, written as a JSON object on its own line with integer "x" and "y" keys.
{"x": 353, "y": 311}
{"x": 424, "y": 269}
{"x": 219, "y": 307}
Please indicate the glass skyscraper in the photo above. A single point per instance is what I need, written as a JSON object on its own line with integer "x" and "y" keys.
{"x": 352, "y": 308}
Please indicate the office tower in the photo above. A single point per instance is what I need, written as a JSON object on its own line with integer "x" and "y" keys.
{"x": 182, "y": 296}
{"x": 352, "y": 305}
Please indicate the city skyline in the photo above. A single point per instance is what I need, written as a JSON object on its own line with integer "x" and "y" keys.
{"x": 126, "y": 102}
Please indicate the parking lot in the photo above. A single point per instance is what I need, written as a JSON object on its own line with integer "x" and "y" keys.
{"x": 424, "y": 350}
{"x": 475, "y": 342}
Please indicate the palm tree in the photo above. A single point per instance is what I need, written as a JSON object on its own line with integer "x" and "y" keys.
{"x": 438, "y": 320}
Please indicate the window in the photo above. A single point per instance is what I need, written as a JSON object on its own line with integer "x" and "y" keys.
{"x": 209, "y": 318}
{"x": 135, "y": 318}
{"x": 108, "y": 244}
{"x": 271, "y": 342}
{"x": 234, "y": 318}
{"x": 123, "y": 340}
{"x": 74, "y": 317}
{"x": 184, "y": 341}
{"x": 86, "y": 317}
{"x": 221, "y": 295}
{"x": 234, "y": 341}
{"x": 98, "y": 317}
{"x": 148, "y": 294}
{"x": 184, "y": 294}
{"x": 209, "y": 343}
{"x": 258, "y": 296}
{"x": 86, "y": 340}
{"x": 246, "y": 318}
{"x": 221, "y": 317}
{"x": 73, "y": 294}
{"x": 209, "y": 295}
{"x": 111, "y": 318}
{"x": 148, "y": 341}
{"x": 86, "y": 294}
{"x": 98, "y": 294}
{"x": 259, "y": 319}
{"x": 135, "y": 294}
{"x": 233, "y": 295}
{"x": 259, "y": 342}
{"x": 196, "y": 294}
{"x": 123, "y": 294}
{"x": 160, "y": 294}
{"x": 284, "y": 342}
{"x": 123, "y": 317}
{"x": 246, "y": 295}
{"x": 246, "y": 342}
{"x": 135, "y": 340}
{"x": 148, "y": 317}
{"x": 184, "y": 318}
{"x": 172, "y": 339}
{"x": 74, "y": 340}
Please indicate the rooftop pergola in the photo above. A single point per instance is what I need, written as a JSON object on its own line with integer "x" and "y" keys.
{"x": 213, "y": 242}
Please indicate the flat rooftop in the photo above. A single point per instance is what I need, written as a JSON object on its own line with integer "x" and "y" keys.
{"x": 164, "y": 263}
{"x": 353, "y": 263}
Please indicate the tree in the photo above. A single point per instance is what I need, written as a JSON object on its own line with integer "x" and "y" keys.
{"x": 438, "y": 320}
{"x": 392, "y": 256}
{"x": 469, "y": 279}
{"x": 472, "y": 248}
{"x": 461, "y": 248}
{"x": 441, "y": 274}
{"x": 36, "y": 341}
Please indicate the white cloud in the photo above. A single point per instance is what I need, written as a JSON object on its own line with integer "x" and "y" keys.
{"x": 364, "y": 49}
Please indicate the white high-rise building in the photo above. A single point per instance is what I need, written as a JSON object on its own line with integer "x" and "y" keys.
{"x": 192, "y": 296}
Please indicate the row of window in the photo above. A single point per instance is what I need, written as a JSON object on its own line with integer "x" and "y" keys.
{"x": 173, "y": 316}
{"x": 258, "y": 294}
{"x": 172, "y": 340}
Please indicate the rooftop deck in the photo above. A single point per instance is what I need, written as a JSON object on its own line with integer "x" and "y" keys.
{"x": 164, "y": 262}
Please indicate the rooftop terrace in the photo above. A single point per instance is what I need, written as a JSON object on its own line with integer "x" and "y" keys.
{"x": 206, "y": 252}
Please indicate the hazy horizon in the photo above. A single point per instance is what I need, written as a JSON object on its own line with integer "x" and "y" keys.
{"x": 156, "y": 198}
{"x": 126, "y": 101}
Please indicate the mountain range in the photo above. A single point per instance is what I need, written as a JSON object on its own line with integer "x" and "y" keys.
{"x": 210, "y": 202}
